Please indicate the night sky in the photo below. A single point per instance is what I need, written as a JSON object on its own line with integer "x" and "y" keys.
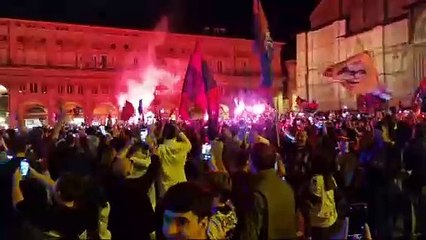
{"x": 286, "y": 17}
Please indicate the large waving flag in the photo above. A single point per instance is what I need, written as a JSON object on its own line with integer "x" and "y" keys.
{"x": 212, "y": 92}
{"x": 128, "y": 111}
{"x": 357, "y": 74}
{"x": 199, "y": 93}
{"x": 193, "y": 99}
{"x": 264, "y": 44}
{"x": 419, "y": 99}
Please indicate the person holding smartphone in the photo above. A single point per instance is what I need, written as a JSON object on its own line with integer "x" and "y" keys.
{"x": 173, "y": 155}
{"x": 70, "y": 213}
{"x": 7, "y": 169}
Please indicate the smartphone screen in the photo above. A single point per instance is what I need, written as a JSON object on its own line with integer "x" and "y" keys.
{"x": 24, "y": 167}
{"x": 358, "y": 218}
{"x": 144, "y": 134}
{"x": 102, "y": 128}
{"x": 206, "y": 151}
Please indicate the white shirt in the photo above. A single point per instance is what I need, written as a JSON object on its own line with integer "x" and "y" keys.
{"x": 173, "y": 154}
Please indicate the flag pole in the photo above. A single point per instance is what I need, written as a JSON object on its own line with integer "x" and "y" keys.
{"x": 277, "y": 129}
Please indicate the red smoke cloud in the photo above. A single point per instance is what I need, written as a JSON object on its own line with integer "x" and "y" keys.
{"x": 142, "y": 83}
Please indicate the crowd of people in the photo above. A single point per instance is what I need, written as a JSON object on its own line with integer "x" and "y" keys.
{"x": 306, "y": 177}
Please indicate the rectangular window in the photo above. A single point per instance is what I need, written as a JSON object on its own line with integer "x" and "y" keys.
{"x": 219, "y": 67}
{"x": 104, "y": 62}
{"x": 79, "y": 61}
{"x": 94, "y": 61}
{"x": 33, "y": 88}
{"x": 61, "y": 89}
{"x": 22, "y": 88}
{"x": 43, "y": 89}
{"x": 70, "y": 89}
{"x": 242, "y": 66}
{"x": 80, "y": 90}
{"x": 104, "y": 90}
{"x": 245, "y": 66}
{"x": 95, "y": 90}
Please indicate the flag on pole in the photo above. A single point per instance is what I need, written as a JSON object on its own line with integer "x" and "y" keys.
{"x": 193, "y": 97}
{"x": 127, "y": 112}
{"x": 357, "y": 74}
{"x": 212, "y": 92}
{"x": 264, "y": 44}
{"x": 419, "y": 99}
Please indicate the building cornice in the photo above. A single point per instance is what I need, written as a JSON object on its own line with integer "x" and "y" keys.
{"x": 126, "y": 31}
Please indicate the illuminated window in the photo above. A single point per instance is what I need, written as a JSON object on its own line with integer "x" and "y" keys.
{"x": 33, "y": 88}
{"x": 43, "y": 89}
{"x": 80, "y": 90}
{"x": 61, "y": 89}
{"x": 70, "y": 89}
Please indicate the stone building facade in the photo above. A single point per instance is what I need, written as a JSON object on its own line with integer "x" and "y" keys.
{"x": 393, "y": 30}
{"x": 43, "y": 64}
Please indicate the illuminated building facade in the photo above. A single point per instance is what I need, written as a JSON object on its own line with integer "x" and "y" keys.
{"x": 394, "y": 31}
{"x": 44, "y": 64}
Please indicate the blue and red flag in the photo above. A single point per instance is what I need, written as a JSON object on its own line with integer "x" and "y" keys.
{"x": 264, "y": 44}
{"x": 213, "y": 94}
{"x": 200, "y": 93}
{"x": 193, "y": 99}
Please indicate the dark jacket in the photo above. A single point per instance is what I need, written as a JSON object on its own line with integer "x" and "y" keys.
{"x": 415, "y": 160}
{"x": 131, "y": 215}
{"x": 274, "y": 201}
